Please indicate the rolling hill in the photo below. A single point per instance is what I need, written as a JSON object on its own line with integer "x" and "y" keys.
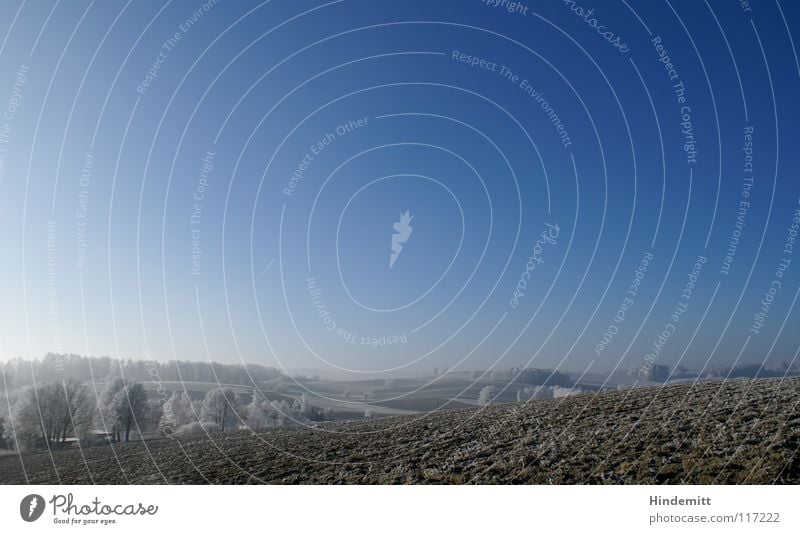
{"x": 744, "y": 431}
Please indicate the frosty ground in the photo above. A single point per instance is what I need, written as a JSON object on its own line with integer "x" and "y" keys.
{"x": 744, "y": 431}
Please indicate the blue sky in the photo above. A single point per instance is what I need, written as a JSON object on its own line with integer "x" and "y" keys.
{"x": 152, "y": 146}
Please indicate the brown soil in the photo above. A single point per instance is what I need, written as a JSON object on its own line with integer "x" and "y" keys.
{"x": 712, "y": 433}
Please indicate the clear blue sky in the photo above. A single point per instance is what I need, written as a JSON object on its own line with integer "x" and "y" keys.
{"x": 142, "y": 133}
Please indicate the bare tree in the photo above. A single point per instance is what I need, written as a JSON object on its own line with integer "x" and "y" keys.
{"x": 131, "y": 406}
{"x": 78, "y": 409}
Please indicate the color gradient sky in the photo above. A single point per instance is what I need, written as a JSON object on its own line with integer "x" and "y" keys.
{"x": 588, "y": 184}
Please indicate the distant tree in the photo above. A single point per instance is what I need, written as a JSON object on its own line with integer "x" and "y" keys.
{"x": 542, "y": 377}
{"x": 486, "y": 395}
{"x": 280, "y": 412}
{"x": 28, "y": 430}
{"x": 52, "y": 367}
{"x": 220, "y": 406}
{"x": 500, "y": 375}
{"x": 304, "y": 408}
{"x": 47, "y": 415}
{"x": 258, "y": 412}
{"x": 152, "y": 414}
{"x": 534, "y": 393}
{"x": 108, "y": 415}
{"x": 176, "y": 412}
{"x": 107, "y": 412}
{"x": 559, "y": 392}
{"x": 132, "y": 407}
{"x": 7, "y": 376}
{"x": 123, "y": 407}
{"x": 4, "y": 442}
{"x": 656, "y": 373}
{"x": 787, "y": 365}
{"x": 78, "y": 408}
{"x": 752, "y": 370}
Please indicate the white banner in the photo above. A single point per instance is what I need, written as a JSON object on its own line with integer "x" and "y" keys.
{"x": 401, "y": 509}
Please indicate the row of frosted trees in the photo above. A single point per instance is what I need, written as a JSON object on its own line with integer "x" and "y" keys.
{"x": 50, "y": 415}
{"x": 53, "y": 415}
{"x": 221, "y": 409}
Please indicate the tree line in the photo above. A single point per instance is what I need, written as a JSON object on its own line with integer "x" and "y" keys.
{"x": 56, "y": 415}
{"x": 63, "y": 399}
{"x": 54, "y": 367}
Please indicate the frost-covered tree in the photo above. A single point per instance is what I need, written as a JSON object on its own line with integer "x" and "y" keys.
{"x": 558, "y": 392}
{"x": 220, "y": 406}
{"x": 79, "y": 408}
{"x": 486, "y": 395}
{"x": 131, "y": 405}
{"x": 28, "y": 431}
{"x": 534, "y": 393}
{"x": 122, "y": 406}
{"x": 108, "y": 416}
{"x": 4, "y": 441}
{"x": 258, "y": 412}
{"x": 176, "y": 412}
{"x": 306, "y": 408}
{"x": 280, "y": 412}
{"x": 47, "y": 415}
{"x": 152, "y": 414}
